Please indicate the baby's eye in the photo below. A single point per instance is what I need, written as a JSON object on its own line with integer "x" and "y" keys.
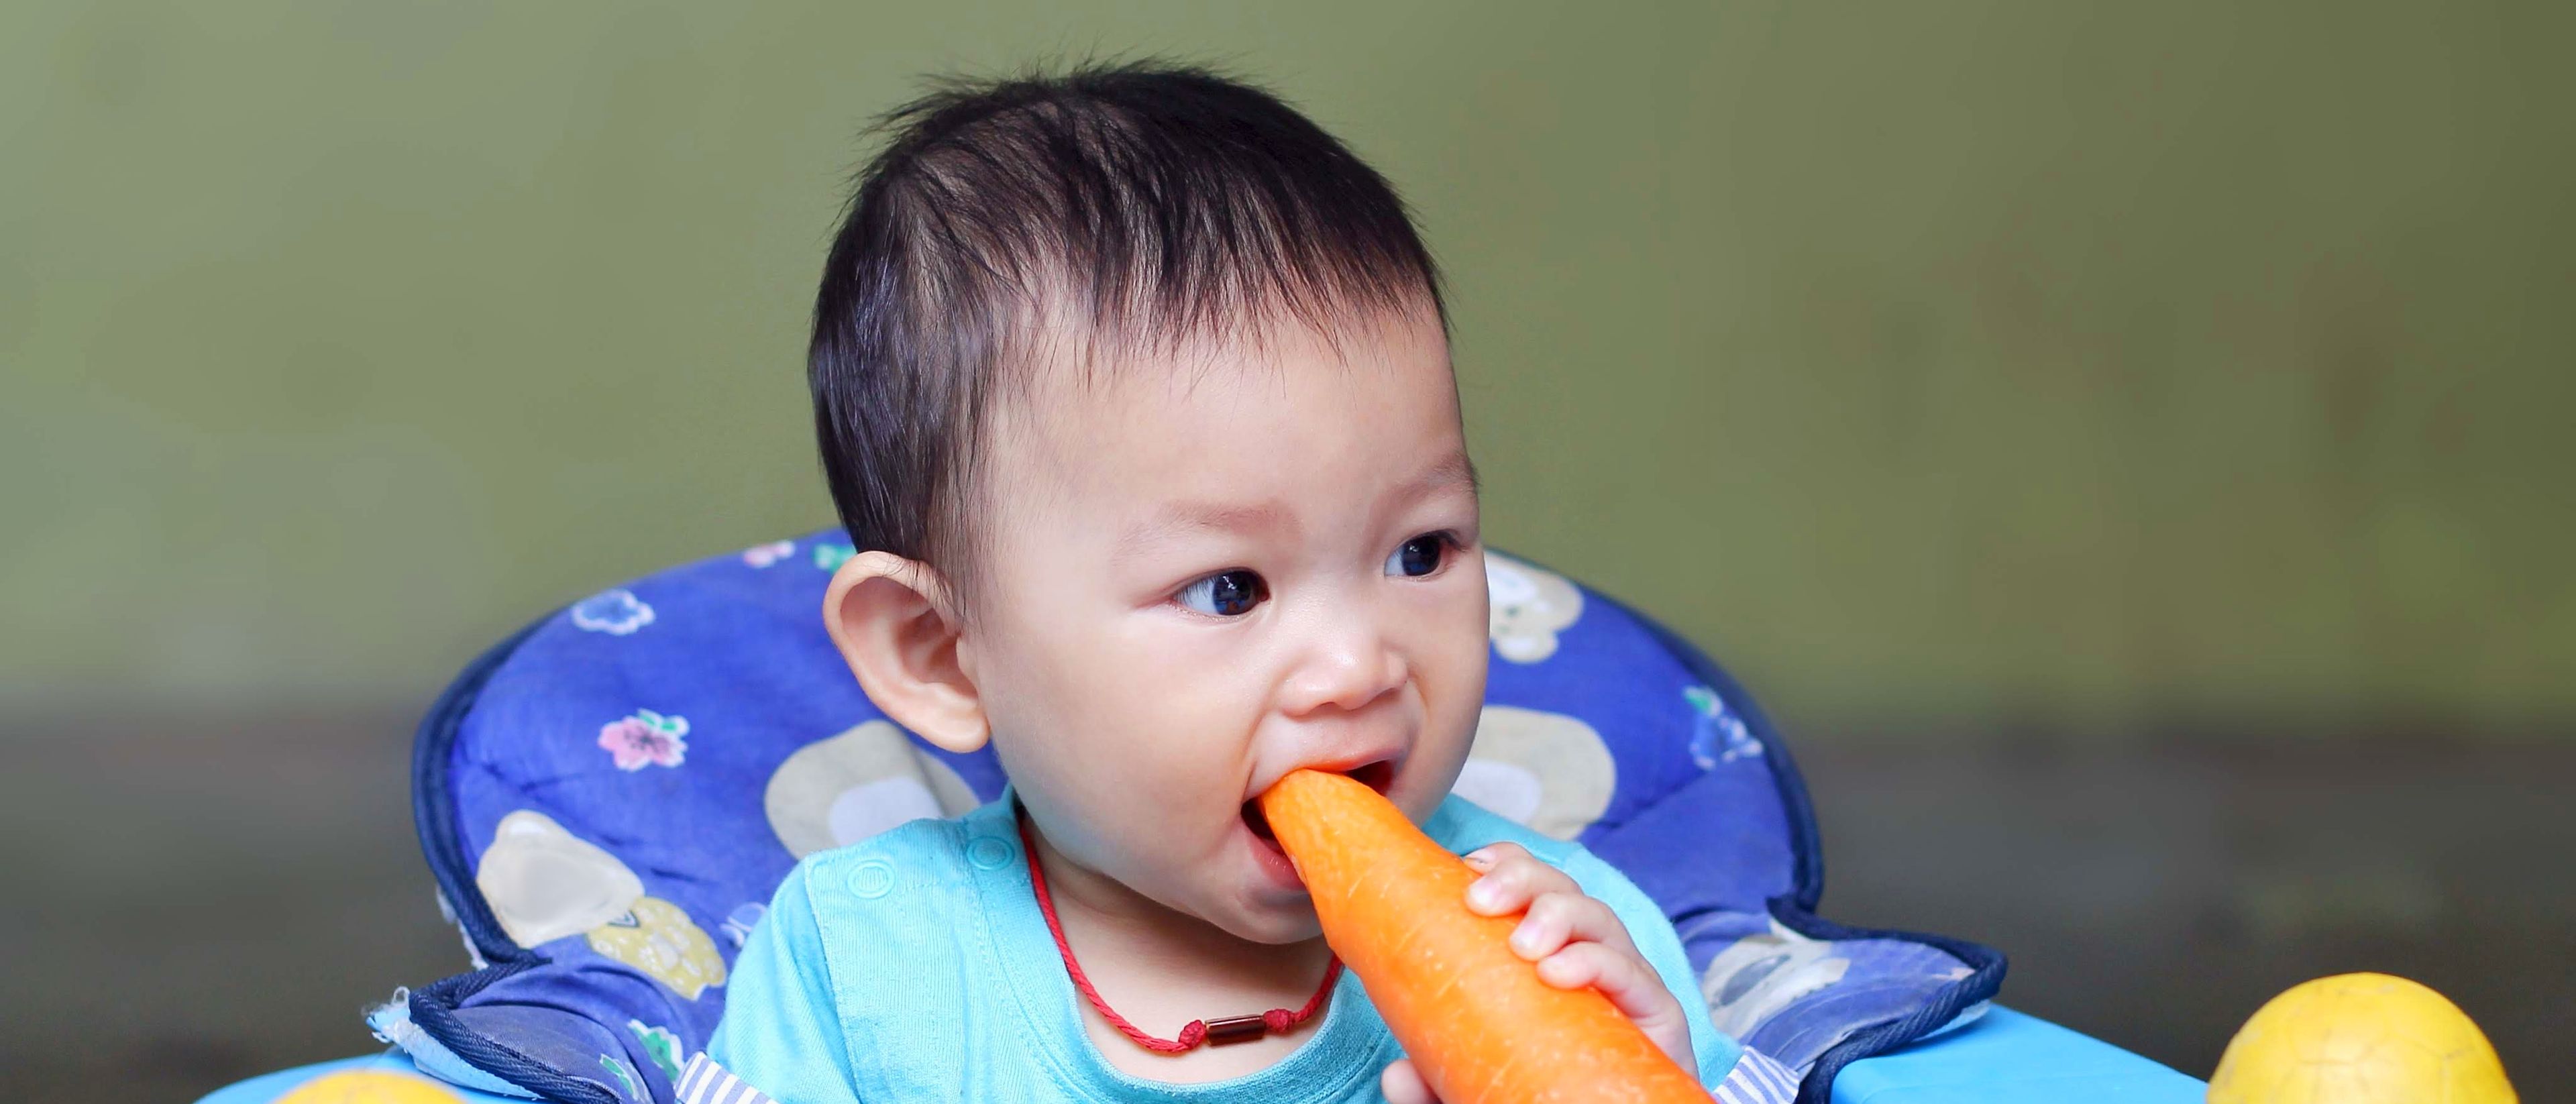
{"x": 1419, "y": 556}
{"x": 1225, "y": 594}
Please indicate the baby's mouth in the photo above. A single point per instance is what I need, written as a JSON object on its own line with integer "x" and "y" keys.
{"x": 1260, "y": 824}
{"x": 1376, "y": 776}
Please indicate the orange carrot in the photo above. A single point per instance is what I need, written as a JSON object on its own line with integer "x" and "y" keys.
{"x": 1474, "y": 1017}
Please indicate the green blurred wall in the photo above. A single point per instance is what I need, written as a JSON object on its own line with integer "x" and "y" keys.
{"x": 1997, "y": 363}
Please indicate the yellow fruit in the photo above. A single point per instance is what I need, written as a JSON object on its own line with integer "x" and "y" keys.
{"x": 368, "y": 1087}
{"x": 2360, "y": 1039}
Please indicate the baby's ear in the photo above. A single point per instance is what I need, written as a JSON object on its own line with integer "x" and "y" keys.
{"x": 891, "y": 619}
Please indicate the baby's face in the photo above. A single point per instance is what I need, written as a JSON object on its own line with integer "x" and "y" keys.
{"x": 1202, "y": 579}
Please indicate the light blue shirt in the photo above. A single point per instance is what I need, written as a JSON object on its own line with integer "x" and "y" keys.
{"x": 915, "y": 967}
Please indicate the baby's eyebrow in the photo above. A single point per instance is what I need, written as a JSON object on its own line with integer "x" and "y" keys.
{"x": 1182, "y": 517}
{"x": 1454, "y": 470}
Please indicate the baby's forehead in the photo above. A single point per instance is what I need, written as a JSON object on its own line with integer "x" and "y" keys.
{"x": 1240, "y": 452}
{"x": 1064, "y": 373}
{"x": 1163, "y": 411}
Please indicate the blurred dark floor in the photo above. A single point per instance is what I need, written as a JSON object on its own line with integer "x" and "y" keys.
{"x": 193, "y": 899}
{"x": 2156, "y": 898}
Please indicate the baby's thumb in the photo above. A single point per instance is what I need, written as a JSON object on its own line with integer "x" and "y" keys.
{"x": 1403, "y": 1084}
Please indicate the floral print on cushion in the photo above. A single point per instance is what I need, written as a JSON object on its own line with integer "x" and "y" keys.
{"x": 646, "y": 739}
{"x": 615, "y": 612}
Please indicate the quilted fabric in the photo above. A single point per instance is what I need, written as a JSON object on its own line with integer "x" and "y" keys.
{"x": 608, "y": 798}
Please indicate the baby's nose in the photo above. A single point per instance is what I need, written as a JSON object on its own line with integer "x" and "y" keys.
{"x": 1349, "y": 667}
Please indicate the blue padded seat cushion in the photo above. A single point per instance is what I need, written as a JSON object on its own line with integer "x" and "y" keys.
{"x": 609, "y": 797}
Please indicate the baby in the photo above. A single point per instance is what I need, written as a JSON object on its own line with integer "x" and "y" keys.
{"x": 1133, "y": 390}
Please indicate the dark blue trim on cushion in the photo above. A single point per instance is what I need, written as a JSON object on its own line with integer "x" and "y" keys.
{"x": 433, "y": 1010}
{"x": 433, "y": 808}
{"x": 1953, "y": 999}
{"x": 433, "y": 1007}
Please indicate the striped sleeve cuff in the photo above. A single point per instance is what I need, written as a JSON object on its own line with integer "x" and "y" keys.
{"x": 702, "y": 1081}
{"x": 1758, "y": 1079}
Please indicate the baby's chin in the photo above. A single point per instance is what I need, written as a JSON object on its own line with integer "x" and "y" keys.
{"x": 1270, "y": 924}
{"x": 1247, "y": 900}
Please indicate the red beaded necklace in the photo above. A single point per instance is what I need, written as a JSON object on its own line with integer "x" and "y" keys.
{"x": 1229, "y": 1029}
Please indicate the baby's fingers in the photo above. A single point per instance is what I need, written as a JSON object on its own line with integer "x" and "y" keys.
{"x": 1631, "y": 986}
{"x": 1403, "y": 1084}
{"x": 1512, "y": 879}
{"x": 1559, "y": 918}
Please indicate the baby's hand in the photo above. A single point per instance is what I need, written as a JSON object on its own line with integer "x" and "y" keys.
{"x": 1575, "y": 940}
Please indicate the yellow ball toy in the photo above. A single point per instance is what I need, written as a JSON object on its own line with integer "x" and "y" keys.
{"x": 2360, "y": 1039}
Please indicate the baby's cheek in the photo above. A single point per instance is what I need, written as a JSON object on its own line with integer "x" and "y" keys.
{"x": 1456, "y": 683}
{"x": 1159, "y": 767}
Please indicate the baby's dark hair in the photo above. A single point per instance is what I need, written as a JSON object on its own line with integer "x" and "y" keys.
{"x": 1135, "y": 207}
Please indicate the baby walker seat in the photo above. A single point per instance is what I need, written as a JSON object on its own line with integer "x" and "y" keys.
{"x": 608, "y": 798}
